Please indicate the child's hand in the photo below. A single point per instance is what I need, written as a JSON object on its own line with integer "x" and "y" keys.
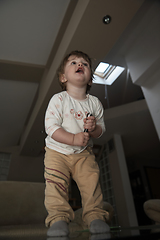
{"x": 90, "y": 123}
{"x": 81, "y": 139}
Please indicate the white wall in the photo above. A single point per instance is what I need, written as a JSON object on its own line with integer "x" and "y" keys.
{"x": 122, "y": 190}
{"x": 143, "y": 60}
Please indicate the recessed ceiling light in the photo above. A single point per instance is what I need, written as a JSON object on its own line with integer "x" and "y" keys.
{"x": 106, "y": 19}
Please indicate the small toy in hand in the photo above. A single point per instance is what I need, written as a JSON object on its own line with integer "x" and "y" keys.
{"x": 88, "y": 115}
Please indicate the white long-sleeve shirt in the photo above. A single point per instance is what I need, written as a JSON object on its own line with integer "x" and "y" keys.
{"x": 68, "y": 113}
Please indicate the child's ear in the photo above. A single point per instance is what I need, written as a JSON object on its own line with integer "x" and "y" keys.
{"x": 63, "y": 78}
{"x": 90, "y": 82}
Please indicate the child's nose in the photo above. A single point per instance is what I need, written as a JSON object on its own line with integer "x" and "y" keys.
{"x": 80, "y": 64}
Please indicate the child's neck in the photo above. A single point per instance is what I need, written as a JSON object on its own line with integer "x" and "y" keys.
{"x": 77, "y": 93}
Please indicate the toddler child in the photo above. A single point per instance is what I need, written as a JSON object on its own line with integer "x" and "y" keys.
{"x": 69, "y": 148}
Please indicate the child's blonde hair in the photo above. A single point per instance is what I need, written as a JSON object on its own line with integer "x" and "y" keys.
{"x": 60, "y": 70}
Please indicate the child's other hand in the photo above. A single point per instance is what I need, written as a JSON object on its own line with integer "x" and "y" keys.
{"x": 81, "y": 139}
{"x": 90, "y": 123}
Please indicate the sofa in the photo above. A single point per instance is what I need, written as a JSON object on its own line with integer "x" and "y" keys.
{"x": 22, "y": 210}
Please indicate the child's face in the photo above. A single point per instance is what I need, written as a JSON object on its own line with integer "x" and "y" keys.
{"x": 77, "y": 72}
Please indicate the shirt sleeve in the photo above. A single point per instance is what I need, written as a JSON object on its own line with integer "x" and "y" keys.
{"x": 53, "y": 116}
{"x": 99, "y": 115}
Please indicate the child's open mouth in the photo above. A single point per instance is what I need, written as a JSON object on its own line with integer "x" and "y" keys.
{"x": 80, "y": 70}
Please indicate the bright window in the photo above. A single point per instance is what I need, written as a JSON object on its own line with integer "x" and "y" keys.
{"x": 106, "y": 73}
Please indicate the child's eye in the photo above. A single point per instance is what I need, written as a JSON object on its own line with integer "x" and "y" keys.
{"x": 73, "y": 62}
{"x": 85, "y": 64}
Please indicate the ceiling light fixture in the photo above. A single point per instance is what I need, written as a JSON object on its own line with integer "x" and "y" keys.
{"x": 106, "y": 19}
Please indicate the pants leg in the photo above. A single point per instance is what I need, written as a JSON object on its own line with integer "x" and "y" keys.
{"x": 86, "y": 175}
{"x": 57, "y": 177}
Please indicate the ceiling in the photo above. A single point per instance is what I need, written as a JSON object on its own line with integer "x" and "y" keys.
{"x": 35, "y": 36}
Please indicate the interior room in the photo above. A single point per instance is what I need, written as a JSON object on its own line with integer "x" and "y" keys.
{"x": 35, "y": 36}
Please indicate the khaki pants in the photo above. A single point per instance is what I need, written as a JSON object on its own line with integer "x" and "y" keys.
{"x": 84, "y": 170}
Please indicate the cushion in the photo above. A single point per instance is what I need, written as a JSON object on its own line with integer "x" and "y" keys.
{"x": 152, "y": 209}
{"x": 22, "y": 203}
